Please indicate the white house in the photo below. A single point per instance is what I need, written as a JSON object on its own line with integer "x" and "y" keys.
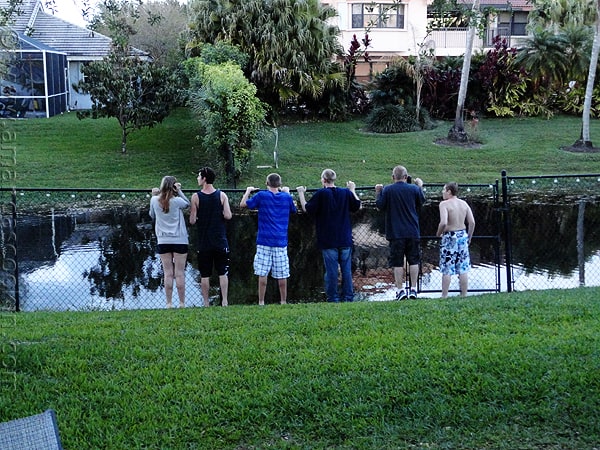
{"x": 402, "y": 31}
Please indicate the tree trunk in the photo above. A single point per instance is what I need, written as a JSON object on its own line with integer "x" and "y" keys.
{"x": 229, "y": 164}
{"x": 457, "y": 133}
{"x": 585, "y": 139}
{"x": 124, "y": 141}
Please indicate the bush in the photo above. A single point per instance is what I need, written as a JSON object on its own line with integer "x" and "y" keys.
{"x": 570, "y": 99}
{"x": 502, "y": 79}
{"x": 397, "y": 119}
{"x": 425, "y": 122}
{"x": 395, "y": 85}
{"x": 442, "y": 82}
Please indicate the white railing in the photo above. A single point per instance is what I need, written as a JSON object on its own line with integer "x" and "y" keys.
{"x": 457, "y": 37}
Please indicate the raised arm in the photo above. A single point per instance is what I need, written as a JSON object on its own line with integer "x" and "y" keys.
{"x": 379, "y": 199}
{"x": 249, "y": 190}
{"x": 181, "y": 195}
{"x": 351, "y": 185}
{"x": 226, "y": 208}
{"x": 301, "y": 191}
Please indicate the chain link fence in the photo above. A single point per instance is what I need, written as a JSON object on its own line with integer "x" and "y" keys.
{"x": 552, "y": 230}
{"x": 95, "y": 249}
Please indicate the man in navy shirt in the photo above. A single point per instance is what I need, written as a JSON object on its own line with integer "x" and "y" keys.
{"x": 401, "y": 202}
{"x": 274, "y": 205}
{"x": 331, "y": 207}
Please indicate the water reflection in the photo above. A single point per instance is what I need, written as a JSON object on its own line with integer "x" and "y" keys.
{"x": 64, "y": 285}
{"x": 91, "y": 266}
{"x": 545, "y": 236}
{"x": 126, "y": 261}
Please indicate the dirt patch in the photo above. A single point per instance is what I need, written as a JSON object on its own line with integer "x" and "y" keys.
{"x": 450, "y": 143}
{"x": 375, "y": 281}
{"x": 580, "y": 149}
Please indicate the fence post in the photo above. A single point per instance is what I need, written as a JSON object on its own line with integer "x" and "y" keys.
{"x": 16, "y": 272}
{"x": 580, "y": 242}
{"x": 507, "y": 232}
{"x": 498, "y": 234}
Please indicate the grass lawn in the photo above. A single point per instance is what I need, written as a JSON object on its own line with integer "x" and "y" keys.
{"x": 504, "y": 371}
{"x": 65, "y": 152}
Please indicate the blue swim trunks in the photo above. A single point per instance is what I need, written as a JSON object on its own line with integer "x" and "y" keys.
{"x": 454, "y": 253}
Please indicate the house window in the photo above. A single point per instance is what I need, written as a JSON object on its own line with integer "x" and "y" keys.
{"x": 377, "y": 15}
{"x": 80, "y": 67}
{"x": 519, "y": 23}
{"x": 513, "y": 24}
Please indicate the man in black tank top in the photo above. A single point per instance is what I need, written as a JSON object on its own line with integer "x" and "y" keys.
{"x": 210, "y": 208}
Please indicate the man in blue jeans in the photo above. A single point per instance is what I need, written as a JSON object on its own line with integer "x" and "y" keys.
{"x": 331, "y": 207}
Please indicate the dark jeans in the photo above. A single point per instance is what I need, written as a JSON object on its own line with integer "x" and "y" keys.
{"x": 332, "y": 258}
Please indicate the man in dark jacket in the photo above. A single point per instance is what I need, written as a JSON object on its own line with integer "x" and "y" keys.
{"x": 331, "y": 207}
{"x": 401, "y": 202}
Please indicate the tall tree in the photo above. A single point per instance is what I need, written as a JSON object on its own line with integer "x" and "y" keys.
{"x": 290, "y": 43}
{"x": 230, "y": 113}
{"x": 156, "y": 28}
{"x": 557, "y": 49}
{"x": 585, "y": 140}
{"x": 9, "y": 12}
{"x": 457, "y": 133}
{"x": 125, "y": 86}
{"x": 567, "y": 22}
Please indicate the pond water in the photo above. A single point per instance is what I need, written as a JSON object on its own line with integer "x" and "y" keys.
{"x": 111, "y": 264}
{"x": 69, "y": 282}
{"x": 523, "y": 279}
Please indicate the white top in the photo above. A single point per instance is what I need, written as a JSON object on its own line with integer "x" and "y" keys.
{"x": 170, "y": 228}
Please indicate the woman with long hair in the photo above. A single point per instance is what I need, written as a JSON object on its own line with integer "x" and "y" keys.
{"x": 166, "y": 209}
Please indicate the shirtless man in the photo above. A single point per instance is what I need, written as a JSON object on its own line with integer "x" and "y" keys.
{"x": 454, "y": 250}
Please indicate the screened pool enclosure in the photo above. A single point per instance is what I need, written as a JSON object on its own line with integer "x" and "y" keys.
{"x": 34, "y": 80}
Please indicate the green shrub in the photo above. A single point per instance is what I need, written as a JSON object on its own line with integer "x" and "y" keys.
{"x": 395, "y": 85}
{"x": 388, "y": 119}
{"x": 570, "y": 100}
{"x": 397, "y": 119}
{"x": 425, "y": 122}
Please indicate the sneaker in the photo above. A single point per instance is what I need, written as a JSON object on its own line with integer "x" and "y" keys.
{"x": 412, "y": 294}
{"x": 401, "y": 295}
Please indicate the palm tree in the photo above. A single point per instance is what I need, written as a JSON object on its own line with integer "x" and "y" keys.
{"x": 555, "y": 14}
{"x": 558, "y": 50}
{"x": 289, "y": 42}
{"x": 457, "y": 133}
{"x": 585, "y": 140}
{"x": 544, "y": 58}
{"x": 578, "y": 40}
